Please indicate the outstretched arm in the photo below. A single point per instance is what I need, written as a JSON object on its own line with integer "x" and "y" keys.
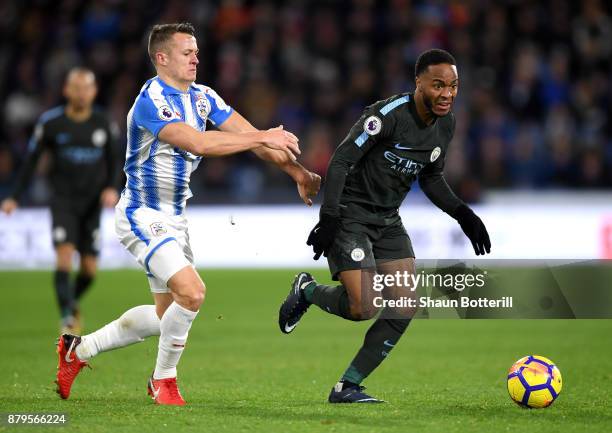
{"x": 218, "y": 143}
{"x": 308, "y": 183}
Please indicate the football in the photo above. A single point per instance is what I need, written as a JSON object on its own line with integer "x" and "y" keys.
{"x": 534, "y": 382}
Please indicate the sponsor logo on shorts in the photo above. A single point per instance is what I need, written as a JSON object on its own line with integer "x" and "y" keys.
{"x": 357, "y": 254}
{"x": 158, "y": 229}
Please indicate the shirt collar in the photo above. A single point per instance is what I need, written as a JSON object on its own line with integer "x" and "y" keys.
{"x": 169, "y": 90}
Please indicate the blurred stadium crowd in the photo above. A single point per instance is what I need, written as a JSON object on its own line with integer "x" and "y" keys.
{"x": 533, "y": 110}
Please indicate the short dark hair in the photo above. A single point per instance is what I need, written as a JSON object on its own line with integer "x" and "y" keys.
{"x": 161, "y": 33}
{"x": 434, "y": 56}
{"x": 79, "y": 70}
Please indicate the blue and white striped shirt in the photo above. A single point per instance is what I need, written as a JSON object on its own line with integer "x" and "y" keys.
{"x": 157, "y": 172}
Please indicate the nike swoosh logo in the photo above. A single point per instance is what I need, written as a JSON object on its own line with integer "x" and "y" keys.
{"x": 300, "y": 284}
{"x": 400, "y": 147}
{"x": 304, "y": 284}
{"x": 388, "y": 343}
{"x": 289, "y": 328}
{"x": 155, "y": 391}
{"x": 67, "y": 357}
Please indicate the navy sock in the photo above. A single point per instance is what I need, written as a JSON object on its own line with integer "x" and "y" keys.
{"x": 81, "y": 284}
{"x": 64, "y": 292}
{"x": 333, "y": 300}
{"x": 382, "y": 336}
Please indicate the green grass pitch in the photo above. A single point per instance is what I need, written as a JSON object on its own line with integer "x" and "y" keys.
{"x": 239, "y": 373}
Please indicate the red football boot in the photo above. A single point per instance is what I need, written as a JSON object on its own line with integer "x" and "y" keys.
{"x": 165, "y": 391}
{"x": 68, "y": 366}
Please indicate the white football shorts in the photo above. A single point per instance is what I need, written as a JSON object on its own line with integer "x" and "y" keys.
{"x": 159, "y": 242}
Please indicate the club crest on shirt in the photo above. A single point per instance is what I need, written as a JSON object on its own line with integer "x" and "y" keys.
{"x": 372, "y": 125}
{"x": 158, "y": 229}
{"x": 203, "y": 107}
{"x": 435, "y": 154}
{"x": 165, "y": 112}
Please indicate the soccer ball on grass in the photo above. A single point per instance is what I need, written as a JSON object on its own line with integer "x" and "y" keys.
{"x": 534, "y": 382}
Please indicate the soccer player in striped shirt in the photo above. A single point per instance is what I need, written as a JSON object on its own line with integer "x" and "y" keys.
{"x": 166, "y": 142}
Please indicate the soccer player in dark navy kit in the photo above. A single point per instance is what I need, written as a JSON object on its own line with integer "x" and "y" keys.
{"x": 394, "y": 143}
{"x": 84, "y": 177}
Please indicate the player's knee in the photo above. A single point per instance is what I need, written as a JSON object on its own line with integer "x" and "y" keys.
{"x": 64, "y": 266}
{"x": 200, "y": 292}
{"x": 197, "y": 299}
{"x": 193, "y": 298}
{"x": 360, "y": 312}
{"x": 64, "y": 255}
{"x": 187, "y": 288}
{"x": 361, "y": 306}
{"x": 89, "y": 268}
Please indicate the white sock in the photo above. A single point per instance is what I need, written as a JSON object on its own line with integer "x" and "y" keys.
{"x": 132, "y": 327}
{"x": 175, "y": 325}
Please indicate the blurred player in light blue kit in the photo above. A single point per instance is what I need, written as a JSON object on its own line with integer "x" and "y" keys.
{"x": 167, "y": 139}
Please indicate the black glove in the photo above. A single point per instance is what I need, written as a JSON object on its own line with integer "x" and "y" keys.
{"x": 322, "y": 235}
{"x": 474, "y": 229}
